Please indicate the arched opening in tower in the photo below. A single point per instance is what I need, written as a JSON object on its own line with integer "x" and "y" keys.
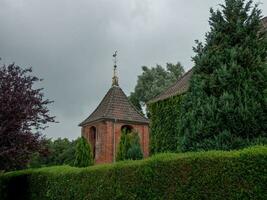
{"x": 93, "y": 139}
{"x": 127, "y": 128}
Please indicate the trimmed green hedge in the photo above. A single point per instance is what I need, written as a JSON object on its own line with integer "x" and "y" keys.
{"x": 204, "y": 175}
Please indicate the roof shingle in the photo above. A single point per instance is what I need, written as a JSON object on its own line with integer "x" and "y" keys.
{"x": 179, "y": 87}
{"x": 115, "y": 105}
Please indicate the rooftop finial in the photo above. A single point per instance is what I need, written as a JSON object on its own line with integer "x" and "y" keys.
{"x": 115, "y": 81}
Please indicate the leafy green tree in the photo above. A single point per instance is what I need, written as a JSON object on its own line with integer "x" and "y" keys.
{"x": 129, "y": 147}
{"x": 83, "y": 154}
{"x": 153, "y": 81}
{"x": 68, "y": 155}
{"x": 225, "y": 107}
{"x": 63, "y": 151}
{"x": 135, "y": 101}
{"x": 40, "y": 160}
{"x": 60, "y": 152}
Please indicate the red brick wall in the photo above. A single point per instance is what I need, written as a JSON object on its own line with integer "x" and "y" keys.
{"x": 105, "y": 141}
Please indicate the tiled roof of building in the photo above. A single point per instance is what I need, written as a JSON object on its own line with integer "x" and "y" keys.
{"x": 116, "y": 106}
{"x": 179, "y": 87}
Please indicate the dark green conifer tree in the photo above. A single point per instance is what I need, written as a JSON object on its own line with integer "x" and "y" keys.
{"x": 83, "y": 154}
{"x": 129, "y": 147}
{"x": 135, "y": 151}
{"x": 123, "y": 146}
{"x": 225, "y": 107}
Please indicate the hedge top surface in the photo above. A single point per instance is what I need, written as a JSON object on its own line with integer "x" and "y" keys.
{"x": 203, "y": 175}
{"x": 163, "y": 157}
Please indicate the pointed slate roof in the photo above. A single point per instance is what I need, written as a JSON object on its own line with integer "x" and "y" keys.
{"x": 115, "y": 105}
{"x": 179, "y": 87}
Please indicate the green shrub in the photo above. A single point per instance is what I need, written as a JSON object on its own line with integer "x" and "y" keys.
{"x": 59, "y": 152}
{"x": 135, "y": 151}
{"x": 204, "y": 175}
{"x": 129, "y": 147}
{"x": 123, "y": 147}
{"x": 83, "y": 153}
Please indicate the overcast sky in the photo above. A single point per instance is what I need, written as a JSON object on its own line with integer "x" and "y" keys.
{"x": 69, "y": 43}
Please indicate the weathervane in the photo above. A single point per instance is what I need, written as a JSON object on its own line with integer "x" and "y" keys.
{"x": 115, "y": 58}
{"x": 115, "y": 78}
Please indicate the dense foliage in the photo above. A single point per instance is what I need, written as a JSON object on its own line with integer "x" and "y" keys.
{"x": 135, "y": 151}
{"x": 164, "y": 124}
{"x": 83, "y": 153}
{"x": 153, "y": 81}
{"x": 23, "y": 114}
{"x": 123, "y": 146}
{"x": 129, "y": 147}
{"x": 225, "y": 107}
{"x": 59, "y": 152}
{"x": 206, "y": 175}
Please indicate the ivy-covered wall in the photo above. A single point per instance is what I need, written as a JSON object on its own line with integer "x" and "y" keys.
{"x": 164, "y": 124}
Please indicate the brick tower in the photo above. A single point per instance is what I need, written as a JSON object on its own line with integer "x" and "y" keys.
{"x": 114, "y": 113}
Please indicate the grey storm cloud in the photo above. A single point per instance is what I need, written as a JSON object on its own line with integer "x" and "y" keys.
{"x": 70, "y": 44}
